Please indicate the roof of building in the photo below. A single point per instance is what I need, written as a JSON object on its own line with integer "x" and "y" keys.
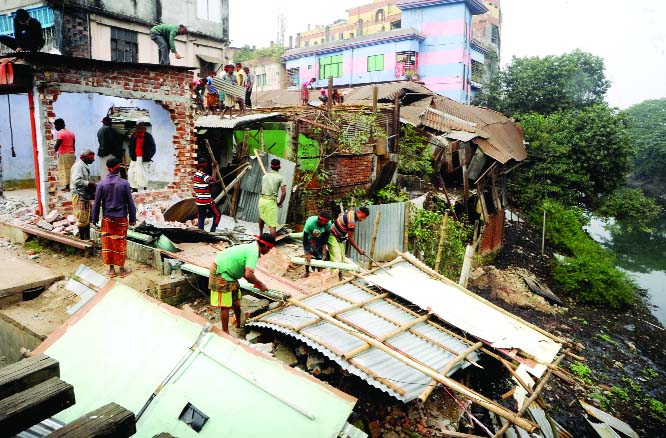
{"x": 364, "y": 40}
{"x": 122, "y": 345}
{"x": 475, "y": 6}
{"x": 216, "y": 121}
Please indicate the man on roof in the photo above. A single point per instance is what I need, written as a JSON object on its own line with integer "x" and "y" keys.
{"x": 164, "y": 35}
{"x": 230, "y": 265}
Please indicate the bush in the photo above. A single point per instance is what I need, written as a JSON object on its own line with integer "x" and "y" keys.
{"x": 630, "y": 207}
{"x": 424, "y": 229}
{"x": 588, "y": 271}
{"x": 415, "y": 153}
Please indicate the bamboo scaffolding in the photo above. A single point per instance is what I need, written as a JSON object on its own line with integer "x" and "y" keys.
{"x": 444, "y": 380}
{"x": 403, "y": 328}
{"x": 359, "y": 304}
{"x": 455, "y": 361}
{"x": 442, "y": 237}
{"x": 374, "y": 238}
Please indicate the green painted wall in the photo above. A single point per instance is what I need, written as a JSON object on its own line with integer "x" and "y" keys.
{"x": 277, "y": 136}
{"x": 307, "y": 147}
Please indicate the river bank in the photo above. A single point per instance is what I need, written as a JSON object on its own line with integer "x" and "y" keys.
{"x": 625, "y": 350}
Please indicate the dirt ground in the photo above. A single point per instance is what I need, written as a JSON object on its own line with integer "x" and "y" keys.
{"x": 625, "y": 350}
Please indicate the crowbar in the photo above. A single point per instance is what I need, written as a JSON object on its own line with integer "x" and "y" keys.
{"x": 380, "y": 266}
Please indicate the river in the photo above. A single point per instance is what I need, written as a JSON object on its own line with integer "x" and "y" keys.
{"x": 640, "y": 254}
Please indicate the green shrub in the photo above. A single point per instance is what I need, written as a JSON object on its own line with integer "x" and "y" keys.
{"x": 583, "y": 372}
{"x": 390, "y": 194}
{"x": 588, "y": 271}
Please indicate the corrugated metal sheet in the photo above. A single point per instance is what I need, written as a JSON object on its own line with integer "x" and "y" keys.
{"x": 390, "y": 236}
{"x": 42, "y": 429}
{"x": 216, "y": 121}
{"x": 378, "y": 319}
{"x": 462, "y": 309}
{"x": 248, "y": 203}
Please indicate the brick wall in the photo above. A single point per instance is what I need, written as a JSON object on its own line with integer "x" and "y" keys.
{"x": 167, "y": 86}
{"x": 75, "y": 35}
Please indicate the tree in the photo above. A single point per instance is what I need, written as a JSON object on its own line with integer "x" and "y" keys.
{"x": 415, "y": 152}
{"x": 576, "y": 157}
{"x": 547, "y": 85}
{"x": 647, "y": 128}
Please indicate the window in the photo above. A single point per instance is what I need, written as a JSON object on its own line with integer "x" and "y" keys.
{"x": 210, "y": 10}
{"x": 309, "y": 66}
{"x": 379, "y": 16}
{"x": 124, "y": 46}
{"x": 294, "y": 76}
{"x": 376, "y": 63}
{"x": 406, "y": 62}
{"x": 261, "y": 80}
{"x": 351, "y": 34}
{"x": 494, "y": 35}
{"x": 477, "y": 71}
{"x": 341, "y": 36}
{"x": 396, "y": 24}
{"x": 330, "y": 66}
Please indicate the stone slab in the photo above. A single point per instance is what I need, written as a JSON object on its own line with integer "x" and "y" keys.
{"x": 19, "y": 275}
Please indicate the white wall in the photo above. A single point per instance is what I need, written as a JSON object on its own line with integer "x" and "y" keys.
{"x": 22, "y": 166}
{"x": 83, "y": 114}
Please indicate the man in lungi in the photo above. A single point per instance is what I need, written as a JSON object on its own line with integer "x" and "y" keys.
{"x": 271, "y": 184}
{"x": 231, "y": 264}
{"x": 82, "y": 192}
{"x": 342, "y": 231}
{"x": 64, "y": 149}
{"x": 114, "y": 196}
{"x": 315, "y": 238}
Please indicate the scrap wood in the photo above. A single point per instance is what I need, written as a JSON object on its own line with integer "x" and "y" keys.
{"x": 318, "y": 125}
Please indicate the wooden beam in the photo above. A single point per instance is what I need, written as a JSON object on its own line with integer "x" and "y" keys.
{"x": 27, "y": 373}
{"x": 318, "y": 125}
{"x": 375, "y": 230}
{"x": 24, "y": 409}
{"x": 359, "y": 304}
{"x": 85, "y": 245}
{"x": 455, "y": 361}
{"x": 111, "y": 420}
{"x": 444, "y": 380}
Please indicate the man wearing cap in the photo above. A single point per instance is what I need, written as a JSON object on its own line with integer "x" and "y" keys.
{"x": 231, "y": 264}
{"x": 114, "y": 196}
{"x": 110, "y": 145}
{"x": 315, "y": 238}
{"x": 164, "y": 35}
{"x": 82, "y": 192}
{"x": 342, "y": 231}
{"x": 271, "y": 184}
{"x": 203, "y": 198}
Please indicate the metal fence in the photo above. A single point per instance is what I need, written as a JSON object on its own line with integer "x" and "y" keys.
{"x": 390, "y": 235}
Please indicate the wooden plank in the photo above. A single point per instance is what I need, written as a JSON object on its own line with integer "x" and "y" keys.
{"x": 27, "y": 373}
{"x": 110, "y": 421}
{"x": 24, "y": 409}
{"x": 70, "y": 241}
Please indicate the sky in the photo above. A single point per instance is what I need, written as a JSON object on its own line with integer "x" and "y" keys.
{"x": 630, "y": 35}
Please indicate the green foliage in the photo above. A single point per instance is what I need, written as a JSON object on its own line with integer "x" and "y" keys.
{"x": 588, "y": 271}
{"x": 581, "y": 371}
{"x": 603, "y": 400}
{"x": 649, "y": 372}
{"x": 658, "y": 409}
{"x": 620, "y": 393}
{"x": 415, "y": 154}
{"x": 631, "y": 384}
{"x": 630, "y": 207}
{"x": 607, "y": 339}
{"x": 550, "y": 84}
{"x": 424, "y": 231}
{"x": 246, "y": 53}
{"x": 35, "y": 245}
{"x": 576, "y": 157}
{"x": 358, "y": 131}
{"x": 647, "y": 128}
{"x": 390, "y": 194}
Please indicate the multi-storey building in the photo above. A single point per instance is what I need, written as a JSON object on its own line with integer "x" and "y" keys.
{"x": 446, "y": 44}
{"x": 118, "y": 30}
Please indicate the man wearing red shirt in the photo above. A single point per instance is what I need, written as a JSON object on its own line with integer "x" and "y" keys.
{"x": 64, "y": 149}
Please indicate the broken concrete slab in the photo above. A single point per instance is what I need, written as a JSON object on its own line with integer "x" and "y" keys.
{"x": 254, "y": 337}
{"x": 22, "y": 275}
{"x": 285, "y": 354}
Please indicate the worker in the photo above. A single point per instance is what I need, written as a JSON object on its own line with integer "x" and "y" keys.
{"x": 271, "y": 184}
{"x": 83, "y": 190}
{"x": 110, "y": 145}
{"x": 342, "y": 231}
{"x": 28, "y": 35}
{"x": 315, "y": 238}
{"x": 230, "y": 265}
{"x": 204, "y": 199}
{"x": 65, "y": 151}
{"x": 164, "y": 36}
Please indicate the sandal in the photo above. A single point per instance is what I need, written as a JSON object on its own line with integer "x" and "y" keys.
{"x": 110, "y": 275}
{"x": 124, "y": 273}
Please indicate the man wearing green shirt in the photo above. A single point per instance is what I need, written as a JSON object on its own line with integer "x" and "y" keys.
{"x": 315, "y": 238}
{"x": 271, "y": 183}
{"x": 164, "y": 35}
{"x": 231, "y": 264}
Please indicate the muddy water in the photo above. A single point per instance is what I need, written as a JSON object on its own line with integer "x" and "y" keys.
{"x": 641, "y": 254}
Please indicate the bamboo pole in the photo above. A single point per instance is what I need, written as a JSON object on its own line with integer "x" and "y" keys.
{"x": 374, "y": 238}
{"x": 529, "y": 401}
{"x": 427, "y": 270}
{"x": 261, "y": 137}
{"x": 261, "y": 163}
{"x": 359, "y": 304}
{"x": 325, "y": 264}
{"x": 231, "y": 185}
{"x": 543, "y": 233}
{"x": 405, "y": 243}
{"x": 467, "y": 266}
{"x": 442, "y": 236}
{"x": 456, "y": 360}
{"x": 444, "y": 380}
{"x": 329, "y": 102}
{"x": 404, "y": 327}
{"x": 375, "y": 96}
